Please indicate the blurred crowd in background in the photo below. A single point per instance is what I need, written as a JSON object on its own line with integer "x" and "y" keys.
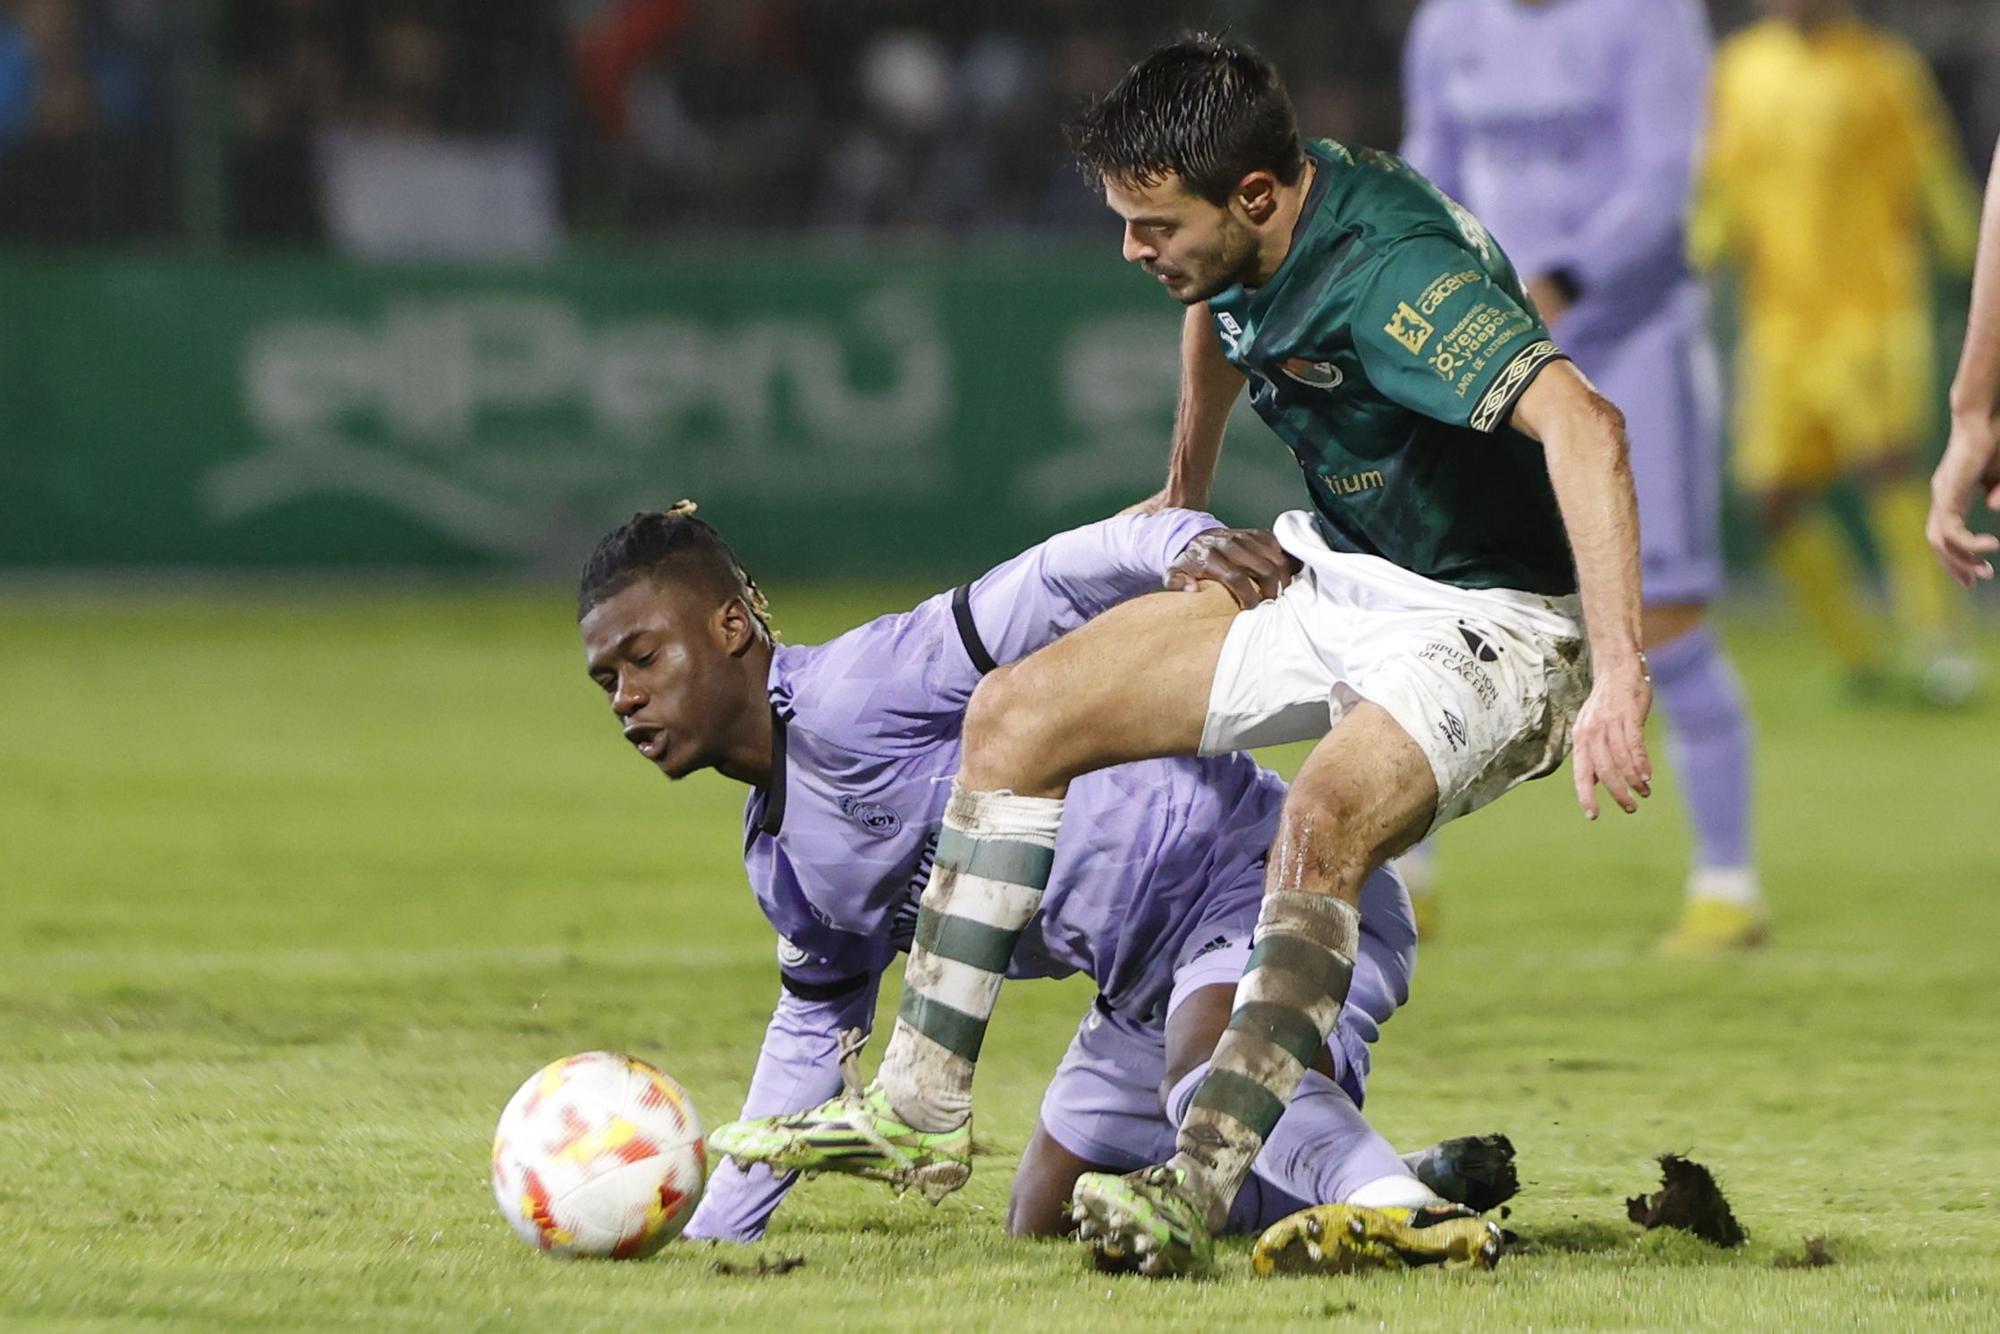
{"x": 512, "y": 127}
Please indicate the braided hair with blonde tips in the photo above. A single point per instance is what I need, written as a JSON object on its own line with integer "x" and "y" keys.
{"x": 647, "y": 545}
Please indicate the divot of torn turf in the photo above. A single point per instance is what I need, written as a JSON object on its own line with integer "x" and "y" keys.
{"x": 1690, "y": 1200}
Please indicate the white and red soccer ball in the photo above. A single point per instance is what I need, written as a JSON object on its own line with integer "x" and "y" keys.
{"x": 599, "y": 1155}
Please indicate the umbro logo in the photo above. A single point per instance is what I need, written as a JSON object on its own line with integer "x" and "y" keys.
{"x": 1452, "y": 729}
{"x": 1477, "y": 644}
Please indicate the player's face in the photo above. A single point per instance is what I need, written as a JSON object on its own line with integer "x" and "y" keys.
{"x": 664, "y": 655}
{"x": 1196, "y": 249}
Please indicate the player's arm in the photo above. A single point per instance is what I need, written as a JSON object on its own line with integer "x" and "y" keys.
{"x": 1209, "y": 386}
{"x": 1432, "y": 142}
{"x": 1971, "y": 464}
{"x": 1583, "y": 438}
{"x": 798, "y": 1067}
{"x": 1050, "y": 589}
{"x": 1637, "y": 226}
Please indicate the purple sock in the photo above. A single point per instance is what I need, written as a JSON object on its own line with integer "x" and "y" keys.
{"x": 1710, "y": 736}
{"x": 1320, "y": 1151}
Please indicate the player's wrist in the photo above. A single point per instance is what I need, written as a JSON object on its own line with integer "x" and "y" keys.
{"x": 1620, "y": 657}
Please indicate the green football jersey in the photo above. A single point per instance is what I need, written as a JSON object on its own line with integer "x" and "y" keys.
{"x": 1388, "y": 351}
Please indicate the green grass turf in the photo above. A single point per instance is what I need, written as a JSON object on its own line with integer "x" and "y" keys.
{"x": 299, "y": 886}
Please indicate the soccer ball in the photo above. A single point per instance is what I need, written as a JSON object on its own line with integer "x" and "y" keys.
{"x": 599, "y": 1155}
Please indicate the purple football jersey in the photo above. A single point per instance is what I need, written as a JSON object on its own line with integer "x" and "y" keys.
{"x": 1570, "y": 130}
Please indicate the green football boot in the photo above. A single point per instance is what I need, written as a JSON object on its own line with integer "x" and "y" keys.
{"x": 1348, "y": 1238}
{"x": 857, "y": 1134}
{"x": 1146, "y": 1221}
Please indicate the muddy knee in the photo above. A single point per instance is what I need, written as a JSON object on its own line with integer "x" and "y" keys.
{"x": 1326, "y": 843}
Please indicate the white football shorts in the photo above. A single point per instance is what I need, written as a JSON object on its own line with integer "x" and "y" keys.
{"x": 1487, "y": 682}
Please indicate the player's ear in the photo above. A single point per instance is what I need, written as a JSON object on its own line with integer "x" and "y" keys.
{"x": 1257, "y": 196}
{"x": 736, "y": 626}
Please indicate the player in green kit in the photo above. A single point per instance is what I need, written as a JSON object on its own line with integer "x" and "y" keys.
{"x": 1472, "y": 512}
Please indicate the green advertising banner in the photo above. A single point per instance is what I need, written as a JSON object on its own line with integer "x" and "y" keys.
{"x": 833, "y": 414}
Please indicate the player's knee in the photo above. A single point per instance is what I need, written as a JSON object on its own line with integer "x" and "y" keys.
{"x": 1324, "y": 843}
{"x": 1008, "y": 723}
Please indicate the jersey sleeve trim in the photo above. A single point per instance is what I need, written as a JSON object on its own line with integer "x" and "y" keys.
{"x": 823, "y": 991}
{"x": 1497, "y": 404}
{"x": 968, "y": 630}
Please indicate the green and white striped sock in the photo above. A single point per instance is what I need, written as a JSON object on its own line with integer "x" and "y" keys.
{"x": 1301, "y": 964}
{"x": 993, "y": 860}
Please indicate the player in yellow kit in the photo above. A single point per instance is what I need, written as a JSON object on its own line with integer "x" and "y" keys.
{"x": 1831, "y": 179}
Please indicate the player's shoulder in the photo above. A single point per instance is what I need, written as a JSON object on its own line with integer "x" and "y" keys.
{"x": 876, "y": 688}
{"x": 1400, "y": 217}
{"x": 1377, "y": 196}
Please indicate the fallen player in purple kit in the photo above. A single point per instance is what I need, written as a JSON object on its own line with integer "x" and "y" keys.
{"x": 1154, "y": 890}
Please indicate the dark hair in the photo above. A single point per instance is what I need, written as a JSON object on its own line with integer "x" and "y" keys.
{"x": 1207, "y": 109}
{"x": 646, "y": 544}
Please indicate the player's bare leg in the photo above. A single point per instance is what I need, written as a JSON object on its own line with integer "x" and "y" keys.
{"x": 1364, "y": 794}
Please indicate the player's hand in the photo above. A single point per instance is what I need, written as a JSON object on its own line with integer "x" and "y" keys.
{"x": 1246, "y": 561}
{"x": 1970, "y": 466}
{"x": 1608, "y": 743}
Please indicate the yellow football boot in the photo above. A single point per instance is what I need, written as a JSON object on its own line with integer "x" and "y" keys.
{"x": 1711, "y": 927}
{"x": 1348, "y": 1238}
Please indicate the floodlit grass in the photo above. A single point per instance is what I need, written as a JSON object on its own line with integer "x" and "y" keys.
{"x": 299, "y": 887}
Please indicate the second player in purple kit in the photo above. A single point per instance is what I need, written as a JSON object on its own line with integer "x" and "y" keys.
{"x": 1570, "y": 128}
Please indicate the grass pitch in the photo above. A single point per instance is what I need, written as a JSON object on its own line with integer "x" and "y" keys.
{"x": 299, "y": 887}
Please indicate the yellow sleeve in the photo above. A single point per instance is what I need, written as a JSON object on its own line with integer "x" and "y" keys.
{"x": 1949, "y": 199}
